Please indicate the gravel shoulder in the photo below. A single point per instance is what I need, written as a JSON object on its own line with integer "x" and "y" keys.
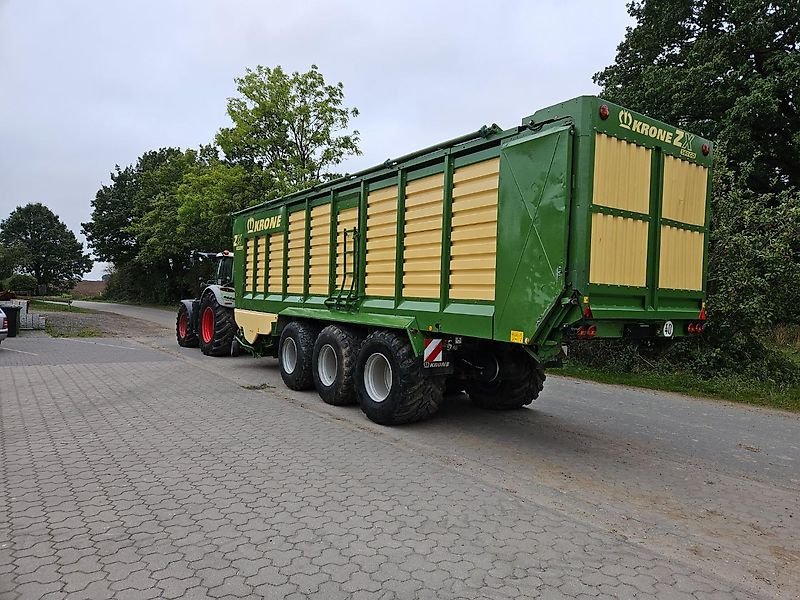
{"x": 96, "y": 323}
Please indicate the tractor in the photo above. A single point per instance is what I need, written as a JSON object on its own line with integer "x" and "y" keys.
{"x": 207, "y": 321}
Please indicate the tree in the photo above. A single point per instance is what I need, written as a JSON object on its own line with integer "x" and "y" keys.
{"x": 55, "y": 256}
{"x": 726, "y": 69}
{"x": 208, "y": 196}
{"x": 290, "y": 130}
{"x": 12, "y": 258}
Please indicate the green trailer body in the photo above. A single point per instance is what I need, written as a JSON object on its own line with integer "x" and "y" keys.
{"x": 587, "y": 220}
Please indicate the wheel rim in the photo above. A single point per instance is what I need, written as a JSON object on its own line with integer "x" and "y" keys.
{"x": 378, "y": 377}
{"x": 327, "y": 365}
{"x": 289, "y": 355}
{"x": 207, "y": 325}
{"x": 182, "y": 325}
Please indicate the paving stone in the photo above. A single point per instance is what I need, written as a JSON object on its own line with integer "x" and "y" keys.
{"x": 138, "y": 479}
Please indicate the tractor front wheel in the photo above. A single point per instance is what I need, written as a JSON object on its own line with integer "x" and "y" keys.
{"x": 217, "y": 327}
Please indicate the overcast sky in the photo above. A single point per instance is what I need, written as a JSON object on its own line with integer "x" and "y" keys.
{"x": 85, "y": 85}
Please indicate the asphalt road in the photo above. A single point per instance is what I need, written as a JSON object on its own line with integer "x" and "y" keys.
{"x": 595, "y": 491}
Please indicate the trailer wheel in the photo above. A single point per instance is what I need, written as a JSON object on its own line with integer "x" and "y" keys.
{"x": 390, "y": 385}
{"x": 518, "y": 383}
{"x": 186, "y": 336}
{"x": 334, "y": 360}
{"x": 295, "y": 355}
{"x": 217, "y": 327}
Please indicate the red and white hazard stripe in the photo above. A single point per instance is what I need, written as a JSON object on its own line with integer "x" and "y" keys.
{"x": 433, "y": 350}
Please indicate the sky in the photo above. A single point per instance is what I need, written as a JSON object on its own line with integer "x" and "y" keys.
{"x": 87, "y": 85}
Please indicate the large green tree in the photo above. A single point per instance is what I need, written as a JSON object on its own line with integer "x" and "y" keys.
{"x": 726, "y": 69}
{"x": 54, "y": 255}
{"x": 289, "y": 132}
{"x": 289, "y": 129}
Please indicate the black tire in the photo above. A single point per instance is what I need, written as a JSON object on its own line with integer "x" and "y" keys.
{"x": 518, "y": 383}
{"x": 410, "y": 396}
{"x": 297, "y": 374}
{"x": 216, "y": 341}
{"x": 342, "y": 345}
{"x": 186, "y": 336}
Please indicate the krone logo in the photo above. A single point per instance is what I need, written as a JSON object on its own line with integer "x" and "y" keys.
{"x": 625, "y": 119}
{"x": 255, "y": 225}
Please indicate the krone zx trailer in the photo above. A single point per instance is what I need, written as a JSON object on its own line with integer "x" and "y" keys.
{"x": 473, "y": 264}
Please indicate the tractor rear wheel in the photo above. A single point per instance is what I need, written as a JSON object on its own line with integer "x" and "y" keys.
{"x": 186, "y": 336}
{"x": 518, "y": 382}
{"x": 217, "y": 327}
{"x": 390, "y": 384}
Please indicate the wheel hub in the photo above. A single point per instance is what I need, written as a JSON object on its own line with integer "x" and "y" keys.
{"x": 327, "y": 365}
{"x": 289, "y": 355}
{"x": 378, "y": 377}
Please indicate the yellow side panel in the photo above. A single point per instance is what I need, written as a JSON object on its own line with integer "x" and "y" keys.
{"x": 261, "y": 273}
{"x": 685, "y": 187}
{"x": 474, "y": 231}
{"x": 319, "y": 250}
{"x": 381, "y": 242}
{"x": 621, "y": 174}
{"x": 348, "y": 220}
{"x": 297, "y": 243}
{"x": 254, "y": 323}
{"x": 681, "y": 262}
{"x": 275, "y": 281}
{"x": 422, "y": 250}
{"x": 249, "y": 263}
{"x": 619, "y": 251}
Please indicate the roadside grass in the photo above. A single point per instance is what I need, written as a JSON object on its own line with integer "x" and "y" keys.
{"x": 760, "y": 393}
{"x": 54, "y": 306}
{"x": 57, "y": 331}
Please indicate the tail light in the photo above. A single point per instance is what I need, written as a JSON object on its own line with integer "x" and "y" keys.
{"x": 695, "y": 328}
{"x": 591, "y": 331}
{"x": 702, "y": 315}
{"x": 5, "y": 323}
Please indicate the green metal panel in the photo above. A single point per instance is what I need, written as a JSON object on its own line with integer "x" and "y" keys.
{"x": 533, "y": 219}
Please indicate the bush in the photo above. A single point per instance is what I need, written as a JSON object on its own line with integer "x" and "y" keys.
{"x": 21, "y": 283}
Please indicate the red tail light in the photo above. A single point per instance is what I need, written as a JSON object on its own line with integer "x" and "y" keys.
{"x": 5, "y": 323}
{"x": 691, "y": 328}
{"x": 702, "y": 315}
{"x": 591, "y": 331}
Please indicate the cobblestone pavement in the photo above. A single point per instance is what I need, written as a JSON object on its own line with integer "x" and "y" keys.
{"x": 126, "y": 472}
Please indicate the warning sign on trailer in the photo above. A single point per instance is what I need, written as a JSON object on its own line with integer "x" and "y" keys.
{"x": 434, "y": 351}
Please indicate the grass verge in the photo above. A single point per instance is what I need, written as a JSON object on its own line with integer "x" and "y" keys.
{"x": 78, "y": 332}
{"x": 39, "y": 306}
{"x": 760, "y": 393}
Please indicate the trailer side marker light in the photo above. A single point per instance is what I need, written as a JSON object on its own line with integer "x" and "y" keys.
{"x": 705, "y": 149}
{"x": 604, "y": 111}
{"x": 702, "y": 315}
